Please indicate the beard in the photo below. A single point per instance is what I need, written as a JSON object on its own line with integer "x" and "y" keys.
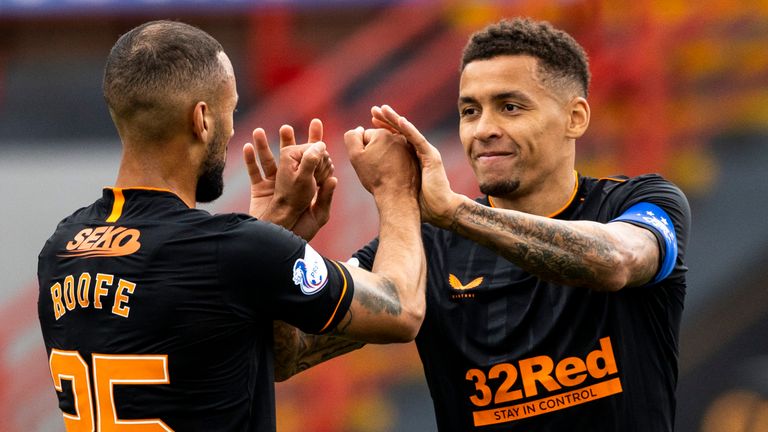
{"x": 500, "y": 188}
{"x": 210, "y": 183}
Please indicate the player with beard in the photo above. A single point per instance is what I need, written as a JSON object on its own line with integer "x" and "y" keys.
{"x": 157, "y": 316}
{"x": 210, "y": 182}
{"x": 554, "y": 300}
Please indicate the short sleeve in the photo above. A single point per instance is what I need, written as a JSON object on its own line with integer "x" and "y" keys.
{"x": 657, "y": 221}
{"x": 270, "y": 271}
{"x": 661, "y": 193}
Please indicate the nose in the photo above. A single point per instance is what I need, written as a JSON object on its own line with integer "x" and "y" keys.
{"x": 486, "y": 128}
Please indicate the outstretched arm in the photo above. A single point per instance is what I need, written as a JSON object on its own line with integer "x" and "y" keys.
{"x": 604, "y": 257}
{"x": 388, "y": 303}
{"x": 296, "y": 194}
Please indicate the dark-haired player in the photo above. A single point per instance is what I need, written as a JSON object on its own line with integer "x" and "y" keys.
{"x": 553, "y": 301}
{"x": 157, "y": 316}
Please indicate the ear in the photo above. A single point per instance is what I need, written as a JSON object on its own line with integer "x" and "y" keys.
{"x": 201, "y": 123}
{"x": 578, "y": 117}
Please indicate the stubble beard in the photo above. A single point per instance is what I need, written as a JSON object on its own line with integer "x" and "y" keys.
{"x": 210, "y": 183}
{"x": 500, "y": 188}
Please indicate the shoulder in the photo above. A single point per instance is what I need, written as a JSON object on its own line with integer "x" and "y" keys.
{"x": 244, "y": 226}
{"x": 608, "y": 198}
{"x": 70, "y": 224}
{"x": 243, "y": 233}
{"x": 623, "y": 192}
{"x": 654, "y": 189}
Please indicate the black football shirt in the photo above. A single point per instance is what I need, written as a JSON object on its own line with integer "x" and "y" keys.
{"x": 503, "y": 350}
{"x": 158, "y": 315}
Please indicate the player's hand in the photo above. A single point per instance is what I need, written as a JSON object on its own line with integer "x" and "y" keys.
{"x": 384, "y": 162}
{"x": 262, "y": 184}
{"x": 296, "y": 192}
{"x": 317, "y": 213}
{"x": 437, "y": 200}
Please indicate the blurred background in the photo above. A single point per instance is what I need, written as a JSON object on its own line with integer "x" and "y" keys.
{"x": 679, "y": 88}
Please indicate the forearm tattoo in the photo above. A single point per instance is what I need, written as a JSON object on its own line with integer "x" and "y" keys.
{"x": 296, "y": 351}
{"x": 550, "y": 250}
{"x": 314, "y": 349}
{"x": 385, "y": 299}
{"x": 286, "y": 342}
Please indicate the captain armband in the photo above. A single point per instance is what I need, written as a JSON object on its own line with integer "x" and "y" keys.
{"x": 655, "y": 218}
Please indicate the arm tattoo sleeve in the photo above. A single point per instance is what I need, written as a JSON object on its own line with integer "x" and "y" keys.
{"x": 296, "y": 351}
{"x": 547, "y": 248}
{"x": 286, "y": 340}
{"x": 318, "y": 349}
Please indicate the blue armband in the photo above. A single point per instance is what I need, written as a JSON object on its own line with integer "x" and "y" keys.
{"x": 655, "y": 218}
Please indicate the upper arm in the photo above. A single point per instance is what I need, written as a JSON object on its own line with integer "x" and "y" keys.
{"x": 652, "y": 235}
{"x": 641, "y": 252}
{"x": 272, "y": 274}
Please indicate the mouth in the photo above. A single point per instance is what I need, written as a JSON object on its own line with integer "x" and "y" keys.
{"x": 491, "y": 156}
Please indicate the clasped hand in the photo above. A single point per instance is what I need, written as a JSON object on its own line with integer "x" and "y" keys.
{"x": 384, "y": 162}
{"x": 395, "y": 160}
{"x": 298, "y": 195}
{"x": 437, "y": 200}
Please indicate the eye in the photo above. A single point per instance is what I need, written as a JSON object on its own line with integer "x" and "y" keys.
{"x": 468, "y": 111}
{"x": 510, "y": 107}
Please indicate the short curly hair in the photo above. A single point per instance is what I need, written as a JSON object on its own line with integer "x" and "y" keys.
{"x": 560, "y": 57}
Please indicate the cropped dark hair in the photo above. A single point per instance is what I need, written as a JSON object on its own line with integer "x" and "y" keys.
{"x": 559, "y": 56}
{"x": 159, "y": 65}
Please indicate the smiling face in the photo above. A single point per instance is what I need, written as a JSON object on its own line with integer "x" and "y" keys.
{"x": 513, "y": 126}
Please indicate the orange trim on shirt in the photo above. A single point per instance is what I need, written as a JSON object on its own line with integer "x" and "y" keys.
{"x": 145, "y": 188}
{"x": 561, "y": 209}
{"x": 117, "y": 205}
{"x": 573, "y": 195}
{"x": 620, "y": 180}
{"x": 343, "y": 293}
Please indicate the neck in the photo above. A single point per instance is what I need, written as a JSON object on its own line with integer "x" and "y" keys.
{"x": 163, "y": 169}
{"x": 548, "y": 200}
